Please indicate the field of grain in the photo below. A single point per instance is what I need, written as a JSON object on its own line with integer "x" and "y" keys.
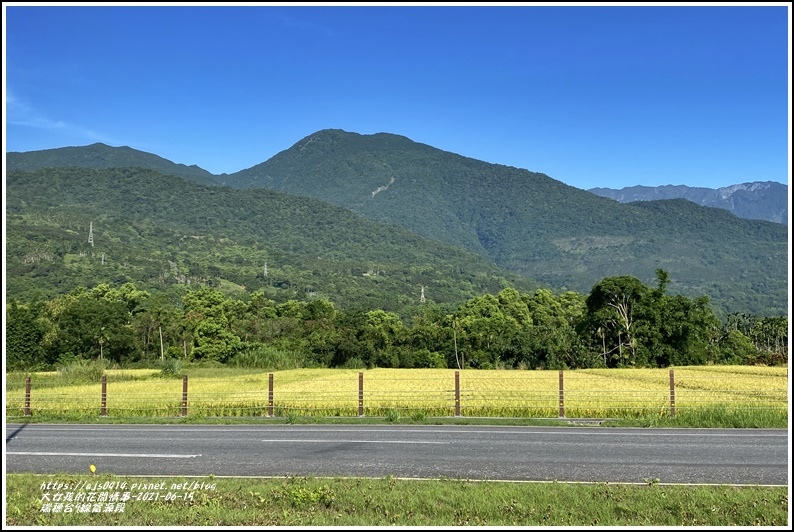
{"x": 594, "y": 393}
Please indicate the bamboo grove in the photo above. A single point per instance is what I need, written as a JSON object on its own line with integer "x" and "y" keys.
{"x": 621, "y": 323}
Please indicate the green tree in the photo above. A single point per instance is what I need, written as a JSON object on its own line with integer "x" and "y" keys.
{"x": 736, "y": 348}
{"x": 24, "y": 335}
{"x": 214, "y": 340}
{"x": 207, "y": 311}
{"x": 486, "y": 333}
{"x": 769, "y": 334}
{"x": 383, "y": 333}
{"x": 431, "y": 330}
{"x": 157, "y": 326}
{"x": 610, "y": 319}
{"x": 96, "y": 328}
{"x": 350, "y": 343}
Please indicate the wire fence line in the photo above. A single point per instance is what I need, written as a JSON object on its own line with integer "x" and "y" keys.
{"x": 549, "y": 394}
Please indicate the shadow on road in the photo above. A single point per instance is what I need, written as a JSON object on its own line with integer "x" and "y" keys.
{"x": 11, "y": 436}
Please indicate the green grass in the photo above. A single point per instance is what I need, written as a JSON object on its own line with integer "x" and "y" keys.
{"x": 301, "y": 501}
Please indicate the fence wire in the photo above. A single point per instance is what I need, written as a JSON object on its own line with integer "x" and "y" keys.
{"x": 573, "y": 394}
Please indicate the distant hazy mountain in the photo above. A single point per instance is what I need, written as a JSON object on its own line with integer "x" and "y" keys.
{"x": 760, "y": 200}
{"x": 103, "y": 156}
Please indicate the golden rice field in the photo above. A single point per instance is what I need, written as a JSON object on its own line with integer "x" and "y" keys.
{"x": 592, "y": 393}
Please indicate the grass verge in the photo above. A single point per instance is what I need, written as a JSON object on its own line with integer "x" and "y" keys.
{"x": 301, "y": 501}
{"x": 704, "y": 419}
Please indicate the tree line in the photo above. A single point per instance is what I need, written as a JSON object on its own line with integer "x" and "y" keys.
{"x": 622, "y": 322}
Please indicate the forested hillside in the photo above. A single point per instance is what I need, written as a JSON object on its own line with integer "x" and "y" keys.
{"x": 509, "y": 219}
{"x": 163, "y": 232}
{"x": 531, "y": 224}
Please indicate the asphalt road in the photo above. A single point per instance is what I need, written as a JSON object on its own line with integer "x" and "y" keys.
{"x": 578, "y": 454}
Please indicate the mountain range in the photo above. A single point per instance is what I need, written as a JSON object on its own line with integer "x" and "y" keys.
{"x": 759, "y": 200}
{"x": 506, "y": 223}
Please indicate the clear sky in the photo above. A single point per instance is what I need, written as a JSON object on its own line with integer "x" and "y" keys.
{"x": 591, "y": 95}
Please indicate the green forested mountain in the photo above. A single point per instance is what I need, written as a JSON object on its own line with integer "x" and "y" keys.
{"x": 103, "y": 156}
{"x": 533, "y": 225}
{"x": 165, "y": 233}
{"x": 507, "y": 219}
{"x": 132, "y": 265}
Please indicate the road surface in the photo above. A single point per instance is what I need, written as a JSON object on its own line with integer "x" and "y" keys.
{"x": 565, "y": 454}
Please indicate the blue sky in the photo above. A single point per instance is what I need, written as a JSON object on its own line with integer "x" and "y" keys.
{"x": 591, "y": 95}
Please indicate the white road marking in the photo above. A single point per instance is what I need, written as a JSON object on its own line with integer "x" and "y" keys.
{"x": 36, "y": 453}
{"x": 362, "y": 441}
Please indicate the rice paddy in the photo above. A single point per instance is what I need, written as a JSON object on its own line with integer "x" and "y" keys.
{"x": 393, "y": 393}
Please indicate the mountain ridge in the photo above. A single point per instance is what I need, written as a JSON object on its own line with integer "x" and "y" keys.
{"x": 100, "y": 155}
{"x": 528, "y": 223}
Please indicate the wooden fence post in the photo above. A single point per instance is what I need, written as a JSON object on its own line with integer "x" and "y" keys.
{"x": 103, "y": 410}
{"x": 27, "y": 395}
{"x": 562, "y": 398}
{"x": 184, "y": 395}
{"x": 672, "y": 394}
{"x": 457, "y": 393}
{"x": 360, "y": 394}
{"x": 270, "y": 395}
